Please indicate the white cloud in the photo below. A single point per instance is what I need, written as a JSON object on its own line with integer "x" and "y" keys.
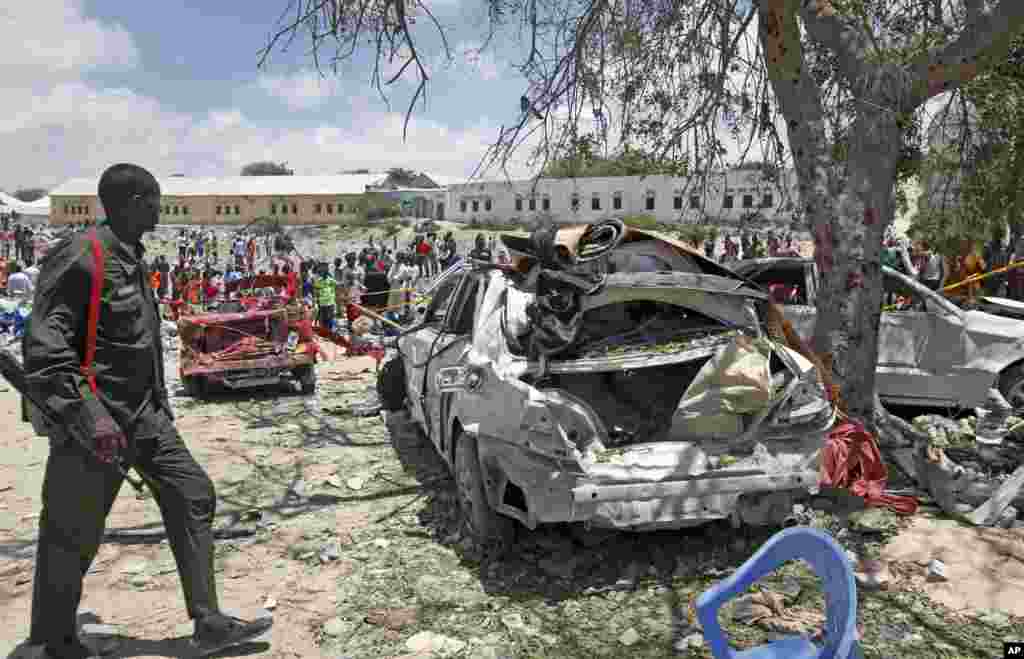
{"x": 301, "y": 91}
{"x": 77, "y": 130}
{"x": 53, "y": 40}
{"x": 467, "y": 58}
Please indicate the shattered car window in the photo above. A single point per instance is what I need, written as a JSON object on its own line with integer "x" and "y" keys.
{"x": 786, "y": 285}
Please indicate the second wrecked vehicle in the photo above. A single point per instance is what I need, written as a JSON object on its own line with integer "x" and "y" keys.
{"x": 252, "y": 342}
{"x": 611, "y": 377}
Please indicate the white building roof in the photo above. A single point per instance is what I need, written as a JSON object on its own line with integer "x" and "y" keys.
{"x": 38, "y": 207}
{"x": 239, "y": 186}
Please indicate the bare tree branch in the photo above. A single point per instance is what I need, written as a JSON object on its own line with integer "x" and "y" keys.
{"x": 984, "y": 39}
{"x": 850, "y": 44}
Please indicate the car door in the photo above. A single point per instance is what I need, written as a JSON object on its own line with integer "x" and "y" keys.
{"x": 451, "y": 350}
{"x": 903, "y": 331}
{"x": 418, "y": 346}
{"x": 921, "y": 347}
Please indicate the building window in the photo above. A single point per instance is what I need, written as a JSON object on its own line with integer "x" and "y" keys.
{"x": 575, "y": 202}
{"x": 476, "y": 205}
{"x": 218, "y": 210}
{"x": 546, "y": 203}
{"x": 65, "y": 209}
{"x": 167, "y": 210}
{"x": 273, "y": 209}
{"x": 766, "y": 201}
{"x": 341, "y": 208}
{"x": 649, "y": 202}
{"x": 175, "y": 210}
{"x": 677, "y": 202}
{"x": 595, "y": 203}
{"x": 316, "y": 209}
{"x": 617, "y": 201}
{"x": 184, "y": 210}
{"x": 462, "y": 205}
{"x": 694, "y": 201}
{"x": 487, "y": 204}
{"x": 236, "y": 210}
{"x": 748, "y": 201}
{"x": 86, "y": 210}
{"x": 519, "y": 204}
{"x": 295, "y": 209}
{"x": 284, "y": 209}
{"x": 330, "y": 209}
{"x": 727, "y": 202}
{"x": 533, "y": 203}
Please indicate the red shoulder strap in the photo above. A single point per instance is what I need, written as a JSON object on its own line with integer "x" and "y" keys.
{"x": 94, "y": 310}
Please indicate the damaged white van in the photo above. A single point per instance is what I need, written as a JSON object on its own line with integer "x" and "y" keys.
{"x": 613, "y": 377}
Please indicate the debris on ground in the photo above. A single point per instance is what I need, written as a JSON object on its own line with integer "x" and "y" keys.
{"x": 768, "y": 610}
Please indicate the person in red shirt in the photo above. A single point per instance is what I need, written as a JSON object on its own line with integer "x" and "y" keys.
{"x": 293, "y": 282}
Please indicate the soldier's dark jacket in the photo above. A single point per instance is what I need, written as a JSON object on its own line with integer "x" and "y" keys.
{"x": 129, "y": 355}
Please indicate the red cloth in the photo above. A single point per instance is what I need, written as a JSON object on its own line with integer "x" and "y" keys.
{"x": 351, "y": 312}
{"x": 864, "y": 477}
{"x": 423, "y": 248}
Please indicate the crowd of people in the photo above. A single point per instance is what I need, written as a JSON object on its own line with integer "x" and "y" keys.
{"x": 377, "y": 277}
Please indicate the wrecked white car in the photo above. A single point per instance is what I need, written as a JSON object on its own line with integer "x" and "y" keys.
{"x": 930, "y": 351}
{"x": 611, "y": 377}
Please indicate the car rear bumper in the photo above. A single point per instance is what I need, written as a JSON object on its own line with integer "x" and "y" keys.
{"x": 274, "y": 363}
{"x": 537, "y": 489}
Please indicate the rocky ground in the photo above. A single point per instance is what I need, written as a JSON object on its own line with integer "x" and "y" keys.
{"x": 345, "y": 525}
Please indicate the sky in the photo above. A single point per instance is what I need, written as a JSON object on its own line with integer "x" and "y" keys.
{"x": 175, "y": 87}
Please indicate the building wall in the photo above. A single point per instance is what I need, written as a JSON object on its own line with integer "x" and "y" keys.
{"x": 228, "y": 210}
{"x": 674, "y": 199}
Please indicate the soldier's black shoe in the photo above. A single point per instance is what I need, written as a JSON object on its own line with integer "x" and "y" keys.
{"x": 70, "y": 649}
{"x": 217, "y": 632}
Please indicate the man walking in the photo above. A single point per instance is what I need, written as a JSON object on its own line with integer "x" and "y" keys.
{"x": 119, "y": 409}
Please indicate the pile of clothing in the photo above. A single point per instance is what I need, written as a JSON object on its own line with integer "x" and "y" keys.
{"x": 13, "y": 315}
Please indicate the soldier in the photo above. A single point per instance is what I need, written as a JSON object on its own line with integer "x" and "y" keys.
{"x": 119, "y": 409}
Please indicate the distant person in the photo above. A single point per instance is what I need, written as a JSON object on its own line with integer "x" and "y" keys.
{"x": 326, "y": 292}
{"x": 480, "y": 251}
{"x": 19, "y": 284}
{"x": 449, "y": 251}
{"x": 432, "y": 260}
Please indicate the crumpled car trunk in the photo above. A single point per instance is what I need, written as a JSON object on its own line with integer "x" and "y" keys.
{"x": 643, "y": 387}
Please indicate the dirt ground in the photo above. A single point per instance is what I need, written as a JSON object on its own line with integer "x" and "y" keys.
{"x": 355, "y": 545}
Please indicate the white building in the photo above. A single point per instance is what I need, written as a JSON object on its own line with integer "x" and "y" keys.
{"x": 725, "y": 199}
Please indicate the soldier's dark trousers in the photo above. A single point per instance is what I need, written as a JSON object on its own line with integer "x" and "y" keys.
{"x": 78, "y": 493}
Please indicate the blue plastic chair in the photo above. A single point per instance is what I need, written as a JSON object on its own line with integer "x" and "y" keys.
{"x": 829, "y": 562}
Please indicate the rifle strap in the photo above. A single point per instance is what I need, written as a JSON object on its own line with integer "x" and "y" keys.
{"x": 94, "y": 310}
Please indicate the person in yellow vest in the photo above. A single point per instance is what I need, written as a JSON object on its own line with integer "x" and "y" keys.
{"x": 969, "y": 264}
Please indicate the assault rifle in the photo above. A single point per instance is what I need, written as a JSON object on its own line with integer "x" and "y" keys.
{"x": 12, "y": 371}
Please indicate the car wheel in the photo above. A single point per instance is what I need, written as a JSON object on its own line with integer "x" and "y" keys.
{"x": 306, "y": 375}
{"x": 489, "y": 529}
{"x": 391, "y": 385}
{"x": 1011, "y": 386}
{"x": 195, "y": 386}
